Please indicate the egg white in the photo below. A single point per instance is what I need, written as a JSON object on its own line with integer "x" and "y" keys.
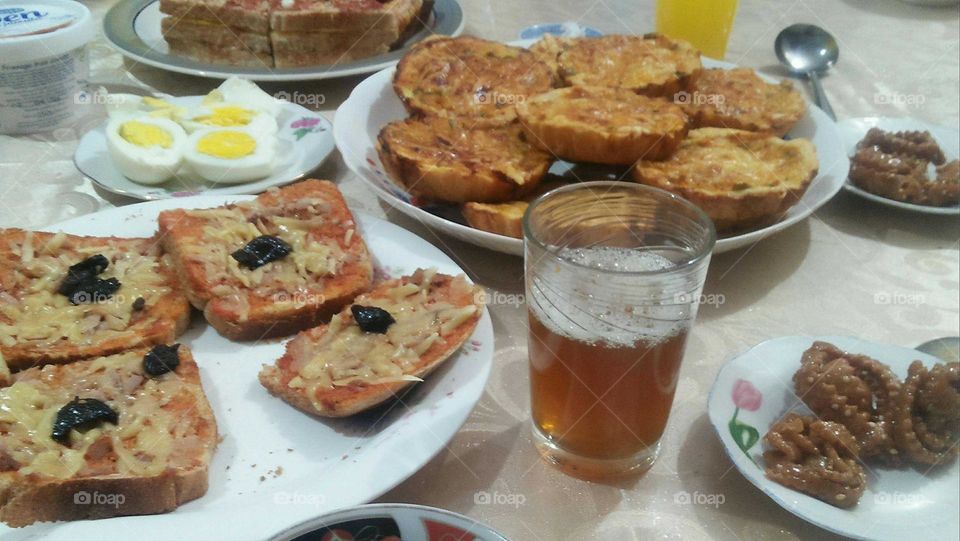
{"x": 254, "y": 166}
{"x": 237, "y": 90}
{"x": 146, "y": 165}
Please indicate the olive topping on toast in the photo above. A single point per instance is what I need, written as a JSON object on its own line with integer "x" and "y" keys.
{"x": 372, "y": 318}
{"x": 82, "y": 272}
{"x": 81, "y": 414}
{"x": 161, "y": 359}
{"x": 262, "y": 250}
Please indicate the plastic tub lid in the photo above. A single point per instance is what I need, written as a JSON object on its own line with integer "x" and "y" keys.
{"x": 33, "y": 29}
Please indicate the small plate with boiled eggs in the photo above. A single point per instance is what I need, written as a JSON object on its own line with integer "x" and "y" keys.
{"x": 235, "y": 140}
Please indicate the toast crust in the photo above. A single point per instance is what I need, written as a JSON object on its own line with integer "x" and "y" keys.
{"x": 470, "y": 78}
{"x": 285, "y": 300}
{"x": 603, "y": 125}
{"x": 181, "y": 476}
{"x": 504, "y": 218}
{"x": 439, "y": 159}
{"x": 40, "y": 326}
{"x": 742, "y": 180}
{"x": 652, "y": 65}
{"x": 739, "y": 99}
{"x": 354, "y": 396}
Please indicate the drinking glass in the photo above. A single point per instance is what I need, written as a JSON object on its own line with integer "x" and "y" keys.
{"x": 705, "y": 24}
{"x": 614, "y": 273}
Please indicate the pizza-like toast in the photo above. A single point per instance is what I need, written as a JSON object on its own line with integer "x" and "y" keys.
{"x": 67, "y": 297}
{"x": 128, "y": 434}
{"x": 283, "y": 262}
{"x": 386, "y": 340}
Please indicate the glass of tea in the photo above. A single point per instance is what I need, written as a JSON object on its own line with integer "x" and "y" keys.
{"x": 614, "y": 273}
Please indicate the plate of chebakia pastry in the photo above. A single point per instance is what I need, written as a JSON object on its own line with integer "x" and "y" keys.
{"x": 857, "y": 437}
{"x": 463, "y": 133}
{"x": 243, "y": 361}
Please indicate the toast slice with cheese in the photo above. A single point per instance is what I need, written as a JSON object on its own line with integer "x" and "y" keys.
{"x": 246, "y": 15}
{"x": 742, "y": 180}
{"x": 128, "y": 434}
{"x": 386, "y": 340}
{"x": 283, "y": 262}
{"x": 67, "y": 297}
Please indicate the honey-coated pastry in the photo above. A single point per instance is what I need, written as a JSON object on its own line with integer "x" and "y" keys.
{"x": 855, "y": 391}
{"x": 917, "y": 144}
{"x": 927, "y": 423}
{"x": 818, "y": 458}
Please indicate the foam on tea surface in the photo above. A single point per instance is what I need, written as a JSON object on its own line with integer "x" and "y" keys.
{"x": 620, "y": 310}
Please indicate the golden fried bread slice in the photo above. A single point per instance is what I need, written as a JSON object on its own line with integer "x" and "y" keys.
{"x": 740, "y": 99}
{"x": 469, "y": 77}
{"x": 283, "y": 262}
{"x": 389, "y": 338}
{"x": 548, "y": 50}
{"x": 653, "y": 65}
{"x": 740, "y": 179}
{"x": 441, "y": 159}
{"x": 67, "y": 297}
{"x": 503, "y": 218}
{"x": 603, "y": 125}
{"x": 135, "y": 428}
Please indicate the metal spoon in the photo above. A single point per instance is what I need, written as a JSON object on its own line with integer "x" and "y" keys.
{"x": 808, "y": 50}
{"x": 947, "y": 348}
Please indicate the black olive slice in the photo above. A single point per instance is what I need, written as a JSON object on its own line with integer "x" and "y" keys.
{"x": 83, "y": 272}
{"x": 161, "y": 359}
{"x": 81, "y": 414}
{"x": 94, "y": 290}
{"x": 372, "y": 318}
{"x": 139, "y": 304}
{"x": 262, "y": 250}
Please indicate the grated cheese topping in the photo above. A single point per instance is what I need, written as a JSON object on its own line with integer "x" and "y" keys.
{"x": 32, "y": 311}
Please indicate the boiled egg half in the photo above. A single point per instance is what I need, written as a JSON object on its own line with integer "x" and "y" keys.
{"x": 145, "y": 149}
{"x": 230, "y": 155}
{"x": 228, "y": 115}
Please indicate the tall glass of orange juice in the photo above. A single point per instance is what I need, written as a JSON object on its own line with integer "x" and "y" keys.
{"x": 704, "y": 23}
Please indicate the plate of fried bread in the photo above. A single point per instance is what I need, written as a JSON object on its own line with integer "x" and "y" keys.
{"x": 329, "y": 356}
{"x": 275, "y": 40}
{"x": 904, "y": 163}
{"x": 857, "y": 437}
{"x": 465, "y": 151}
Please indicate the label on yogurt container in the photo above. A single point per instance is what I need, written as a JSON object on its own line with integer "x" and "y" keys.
{"x": 29, "y": 19}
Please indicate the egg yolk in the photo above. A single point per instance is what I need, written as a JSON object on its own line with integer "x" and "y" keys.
{"x": 227, "y": 144}
{"x": 145, "y": 135}
{"x": 226, "y": 117}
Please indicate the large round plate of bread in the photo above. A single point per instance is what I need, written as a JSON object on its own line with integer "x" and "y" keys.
{"x": 466, "y": 150}
{"x": 334, "y": 356}
{"x": 279, "y": 40}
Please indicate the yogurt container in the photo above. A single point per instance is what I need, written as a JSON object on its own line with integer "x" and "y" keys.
{"x": 43, "y": 63}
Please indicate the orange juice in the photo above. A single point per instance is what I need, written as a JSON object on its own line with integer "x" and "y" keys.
{"x": 704, "y": 23}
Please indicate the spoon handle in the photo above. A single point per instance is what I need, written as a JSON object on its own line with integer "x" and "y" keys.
{"x": 820, "y": 96}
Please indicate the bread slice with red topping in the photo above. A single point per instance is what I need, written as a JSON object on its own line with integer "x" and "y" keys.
{"x": 67, "y": 297}
{"x": 283, "y": 262}
{"x": 388, "y": 339}
{"x": 128, "y": 434}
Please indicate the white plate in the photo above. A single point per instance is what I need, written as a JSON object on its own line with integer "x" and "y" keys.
{"x": 373, "y": 103}
{"x": 305, "y": 141}
{"x": 133, "y": 27}
{"x": 326, "y": 464}
{"x": 898, "y": 504}
{"x": 853, "y": 129}
{"x": 379, "y": 521}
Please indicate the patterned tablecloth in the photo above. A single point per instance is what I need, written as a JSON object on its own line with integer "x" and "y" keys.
{"x": 853, "y": 268}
